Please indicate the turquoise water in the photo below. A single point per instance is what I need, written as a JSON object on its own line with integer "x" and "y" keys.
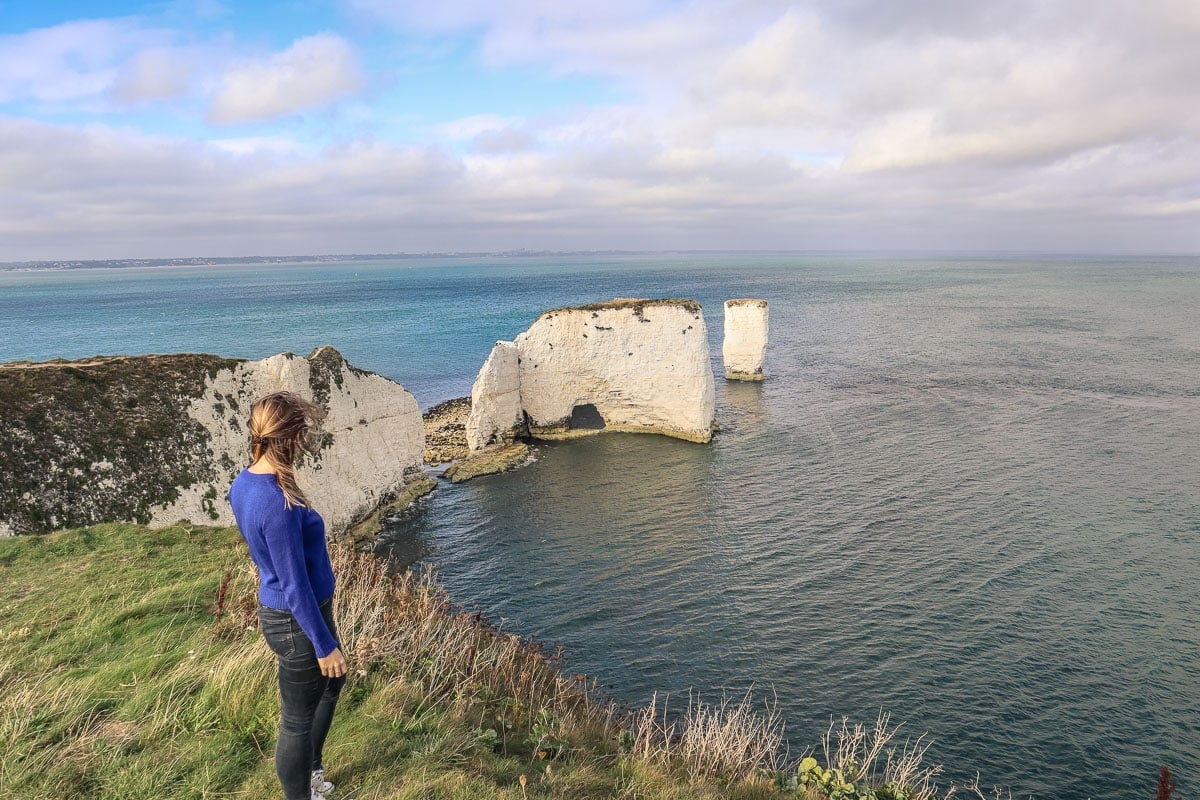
{"x": 967, "y": 494}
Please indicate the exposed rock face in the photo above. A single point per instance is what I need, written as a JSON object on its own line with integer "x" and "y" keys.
{"x": 155, "y": 439}
{"x": 496, "y": 416}
{"x": 624, "y": 365}
{"x": 745, "y": 344}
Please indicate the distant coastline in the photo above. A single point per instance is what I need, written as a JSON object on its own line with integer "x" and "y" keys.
{"x": 200, "y": 261}
{"x": 63, "y": 264}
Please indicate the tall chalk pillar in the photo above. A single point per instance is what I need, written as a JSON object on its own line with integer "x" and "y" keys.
{"x": 495, "y": 414}
{"x": 745, "y": 344}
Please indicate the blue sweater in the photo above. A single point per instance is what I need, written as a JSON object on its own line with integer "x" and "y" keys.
{"x": 288, "y": 547}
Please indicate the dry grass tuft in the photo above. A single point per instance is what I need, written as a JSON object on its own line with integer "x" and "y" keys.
{"x": 871, "y": 755}
{"x": 731, "y": 741}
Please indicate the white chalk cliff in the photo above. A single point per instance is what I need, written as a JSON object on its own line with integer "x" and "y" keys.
{"x": 745, "y": 344}
{"x": 157, "y": 438}
{"x": 631, "y": 365}
{"x": 374, "y": 440}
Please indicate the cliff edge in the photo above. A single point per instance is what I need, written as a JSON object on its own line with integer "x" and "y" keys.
{"x": 158, "y": 438}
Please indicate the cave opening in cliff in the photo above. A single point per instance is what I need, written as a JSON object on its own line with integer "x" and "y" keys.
{"x": 586, "y": 418}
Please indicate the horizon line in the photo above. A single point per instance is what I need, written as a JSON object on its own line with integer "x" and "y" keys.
{"x": 200, "y": 260}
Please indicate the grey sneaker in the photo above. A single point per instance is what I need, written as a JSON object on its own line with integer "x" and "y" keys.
{"x": 319, "y": 785}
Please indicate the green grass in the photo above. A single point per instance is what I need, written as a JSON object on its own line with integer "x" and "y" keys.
{"x": 127, "y": 671}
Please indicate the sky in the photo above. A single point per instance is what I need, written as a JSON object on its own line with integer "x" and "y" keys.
{"x": 208, "y": 128}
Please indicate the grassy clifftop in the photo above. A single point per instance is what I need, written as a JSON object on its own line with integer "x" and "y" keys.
{"x": 131, "y": 667}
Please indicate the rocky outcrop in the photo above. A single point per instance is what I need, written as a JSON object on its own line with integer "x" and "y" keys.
{"x": 446, "y": 430}
{"x": 745, "y": 344}
{"x": 156, "y": 439}
{"x": 624, "y": 365}
{"x": 488, "y": 461}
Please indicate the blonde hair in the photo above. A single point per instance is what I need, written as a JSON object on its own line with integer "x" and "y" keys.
{"x": 281, "y": 428}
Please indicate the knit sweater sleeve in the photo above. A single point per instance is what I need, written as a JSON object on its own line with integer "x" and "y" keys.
{"x": 285, "y": 542}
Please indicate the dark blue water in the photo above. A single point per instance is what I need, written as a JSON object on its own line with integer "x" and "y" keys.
{"x": 967, "y": 493}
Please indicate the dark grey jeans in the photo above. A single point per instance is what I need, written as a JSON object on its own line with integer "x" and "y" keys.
{"x": 307, "y": 699}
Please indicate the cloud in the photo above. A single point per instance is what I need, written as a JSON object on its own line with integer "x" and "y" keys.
{"x": 107, "y": 192}
{"x": 154, "y": 74}
{"x": 638, "y": 41}
{"x": 99, "y": 66}
{"x": 741, "y": 123}
{"x": 66, "y": 62}
{"x": 489, "y": 133}
{"x": 505, "y": 140}
{"x": 928, "y": 84}
{"x": 315, "y": 71}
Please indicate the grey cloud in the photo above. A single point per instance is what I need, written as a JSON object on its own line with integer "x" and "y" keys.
{"x": 75, "y": 190}
{"x": 314, "y": 71}
{"x": 954, "y": 18}
{"x": 154, "y": 74}
{"x": 96, "y": 193}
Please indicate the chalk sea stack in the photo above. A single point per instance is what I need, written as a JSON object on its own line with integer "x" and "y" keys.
{"x": 158, "y": 438}
{"x": 745, "y": 344}
{"x": 629, "y": 365}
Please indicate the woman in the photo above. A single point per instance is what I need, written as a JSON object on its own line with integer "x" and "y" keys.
{"x": 295, "y": 592}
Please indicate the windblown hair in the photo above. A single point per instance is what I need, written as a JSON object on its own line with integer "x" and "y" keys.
{"x": 281, "y": 427}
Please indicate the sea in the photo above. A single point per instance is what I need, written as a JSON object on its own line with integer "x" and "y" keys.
{"x": 967, "y": 494}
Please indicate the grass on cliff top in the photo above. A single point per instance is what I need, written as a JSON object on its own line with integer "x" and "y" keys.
{"x": 638, "y": 304}
{"x": 131, "y": 667}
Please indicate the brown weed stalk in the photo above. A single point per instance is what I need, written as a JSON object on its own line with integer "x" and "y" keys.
{"x": 222, "y": 593}
{"x": 1166, "y": 784}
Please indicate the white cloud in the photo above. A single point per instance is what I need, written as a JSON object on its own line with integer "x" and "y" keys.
{"x": 66, "y": 62}
{"x": 314, "y": 71}
{"x": 100, "y": 66}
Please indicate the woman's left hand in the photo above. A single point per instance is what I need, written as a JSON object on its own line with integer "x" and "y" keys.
{"x": 333, "y": 665}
